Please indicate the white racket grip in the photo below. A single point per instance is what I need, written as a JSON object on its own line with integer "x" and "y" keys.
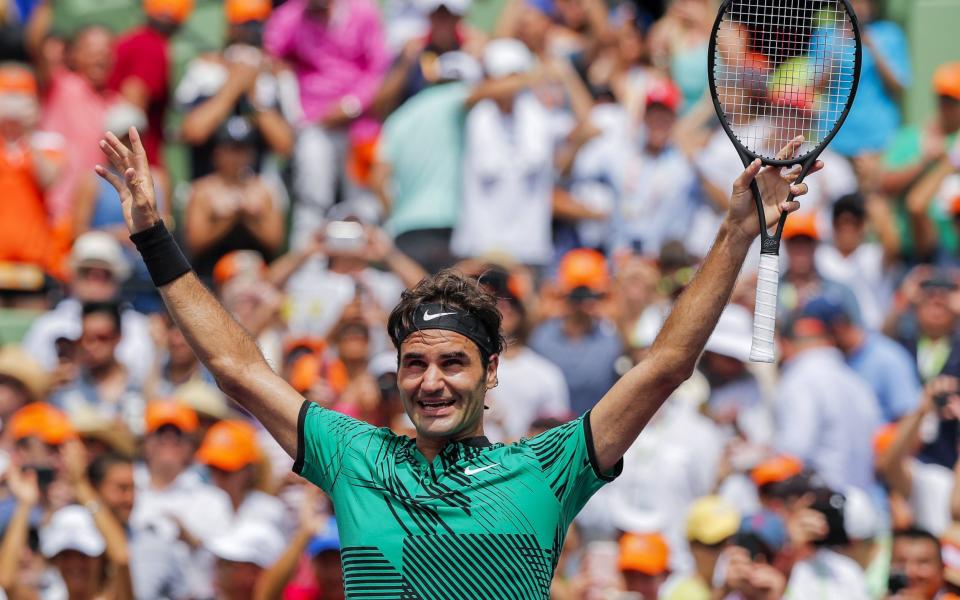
{"x": 765, "y": 313}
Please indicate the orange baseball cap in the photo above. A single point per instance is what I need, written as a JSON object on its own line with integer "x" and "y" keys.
{"x": 175, "y": 10}
{"x": 583, "y": 267}
{"x": 17, "y": 79}
{"x": 647, "y": 553}
{"x": 41, "y": 420}
{"x": 230, "y": 446}
{"x": 801, "y": 225}
{"x": 883, "y": 438}
{"x": 242, "y": 11}
{"x": 170, "y": 412}
{"x": 955, "y": 206}
{"x": 946, "y": 80}
{"x": 238, "y": 262}
{"x": 776, "y": 469}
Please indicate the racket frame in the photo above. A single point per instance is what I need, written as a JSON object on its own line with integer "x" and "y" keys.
{"x": 770, "y": 244}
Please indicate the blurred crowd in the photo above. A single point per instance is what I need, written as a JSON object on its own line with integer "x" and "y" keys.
{"x": 571, "y": 160}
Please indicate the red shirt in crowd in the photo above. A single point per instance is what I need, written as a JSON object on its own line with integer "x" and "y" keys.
{"x": 143, "y": 54}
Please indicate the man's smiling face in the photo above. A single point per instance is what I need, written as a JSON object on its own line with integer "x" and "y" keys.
{"x": 443, "y": 382}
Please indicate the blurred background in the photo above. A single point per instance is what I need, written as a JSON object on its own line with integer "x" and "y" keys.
{"x": 315, "y": 158}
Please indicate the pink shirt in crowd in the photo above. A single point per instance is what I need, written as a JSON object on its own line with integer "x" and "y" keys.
{"x": 77, "y": 111}
{"x": 343, "y": 56}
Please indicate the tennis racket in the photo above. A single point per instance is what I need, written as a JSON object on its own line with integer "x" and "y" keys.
{"x": 779, "y": 69}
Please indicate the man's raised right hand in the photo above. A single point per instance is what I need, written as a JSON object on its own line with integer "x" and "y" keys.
{"x": 134, "y": 184}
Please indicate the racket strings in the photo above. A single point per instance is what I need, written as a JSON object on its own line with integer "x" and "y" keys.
{"x": 784, "y": 68}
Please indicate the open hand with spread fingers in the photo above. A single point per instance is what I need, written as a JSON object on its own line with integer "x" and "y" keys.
{"x": 134, "y": 182}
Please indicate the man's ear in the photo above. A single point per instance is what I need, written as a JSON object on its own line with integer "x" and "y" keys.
{"x": 492, "y": 365}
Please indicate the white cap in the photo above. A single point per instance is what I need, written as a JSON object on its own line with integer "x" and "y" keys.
{"x": 456, "y": 7}
{"x": 506, "y": 56}
{"x": 733, "y": 333}
{"x": 122, "y": 116}
{"x": 458, "y": 66}
{"x": 71, "y": 528}
{"x": 97, "y": 248}
{"x": 252, "y": 541}
{"x": 860, "y": 518}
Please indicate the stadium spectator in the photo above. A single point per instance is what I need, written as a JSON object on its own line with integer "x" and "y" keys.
{"x": 882, "y": 363}
{"x": 736, "y": 399}
{"x": 97, "y": 267}
{"x": 530, "y": 386}
{"x": 29, "y": 164}
{"x": 853, "y": 261}
{"x": 678, "y": 46}
{"x": 141, "y": 71}
{"x": 242, "y": 554}
{"x": 508, "y": 183}
{"x": 172, "y": 497}
{"x": 644, "y": 220}
{"x": 926, "y": 487}
{"x": 317, "y": 537}
{"x": 340, "y": 56}
{"x": 884, "y": 75}
{"x": 241, "y": 80}
{"x": 417, "y": 172}
{"x": 156, "y": 566}
{"x": 644, "y": 563}
{"x": 22, "y": 380}
{"x": 582, "y": 343}
{"x": 749, "y": 571}
{"x": 418, "y": 65}
{"x": 177, "y": 365}
{"x": 825, "y": 414}
{"x": 75, "y": 106}
{"x": 926, "y": 322}
{"x": 916, "y": 151}
{"x": 232, "y": 208}
{"x": 237, "y": 466}
{"x": 711, "y": 523}
{"x": 802, "y": 281}
{"x": 102, "y": 385}
{"x": 340, "y": 268}
{"x": 916, "y": 565}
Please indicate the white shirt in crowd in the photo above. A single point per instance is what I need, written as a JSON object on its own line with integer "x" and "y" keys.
{"x": 826, "y": 416}
{"x": 594, "y": 176}
{"x": 508, "y": 182}
{"x": 135, "y": 350}
{"x": 863, "y": 272}
{"x": 530, "y": 387}
{"x": 720, "y": 164}
{"x": 827, "y": 575}
{"x": 201, "y": 508}
{"x": 317, "y": 296}
{"x": 667, "y": 468}
{"x": 932, "y": 486}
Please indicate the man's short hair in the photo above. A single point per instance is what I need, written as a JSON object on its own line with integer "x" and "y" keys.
{"x": 111, "y": 309}
{"x": 850, "y": 204}
{"x": 101, "y": 465}
{"x": 455, "y": 290}
{"x": 918, "y": 534}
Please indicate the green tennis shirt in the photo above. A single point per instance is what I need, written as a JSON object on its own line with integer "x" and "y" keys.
{"x": 481, "y": 521}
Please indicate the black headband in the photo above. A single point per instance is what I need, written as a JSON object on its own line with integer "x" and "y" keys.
{"x": 437, "y": 316}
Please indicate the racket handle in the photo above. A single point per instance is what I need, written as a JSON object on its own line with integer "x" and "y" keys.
{"x": 765, "y": 313}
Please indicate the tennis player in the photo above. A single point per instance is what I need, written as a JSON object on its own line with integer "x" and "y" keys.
{"x": 448, "y": 514}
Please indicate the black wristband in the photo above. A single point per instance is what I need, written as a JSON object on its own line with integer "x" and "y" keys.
{"x": 164, "y": 259}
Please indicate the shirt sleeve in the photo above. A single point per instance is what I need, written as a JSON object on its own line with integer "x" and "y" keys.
{"x": 324, "y": 440}
{"x": 895, "y": 50}
{"x": 569, "y": 464}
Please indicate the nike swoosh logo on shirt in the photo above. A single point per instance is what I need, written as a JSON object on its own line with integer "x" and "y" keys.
{"x": 428, "y": 317}
{"x": 468, "y": 471}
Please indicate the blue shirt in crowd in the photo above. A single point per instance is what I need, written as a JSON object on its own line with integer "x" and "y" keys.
{"x": 875, "y": 116}
{"x": 889, "y": 369}
{"x": 587, "y": 362}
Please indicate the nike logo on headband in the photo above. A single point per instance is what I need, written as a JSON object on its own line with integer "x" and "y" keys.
{"x": 429, "y": 317}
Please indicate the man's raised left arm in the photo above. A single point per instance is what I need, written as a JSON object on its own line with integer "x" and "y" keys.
{"x": 624, "y": 411}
